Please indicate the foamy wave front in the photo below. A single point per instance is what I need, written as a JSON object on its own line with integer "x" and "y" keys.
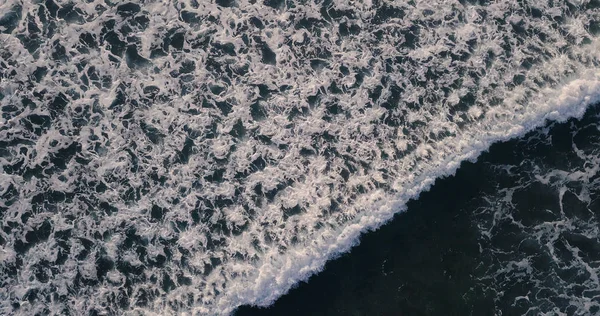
{"x": 193, "y": 157}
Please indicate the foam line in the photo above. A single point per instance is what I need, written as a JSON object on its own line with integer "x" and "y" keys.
{"x": 569, "y": 101}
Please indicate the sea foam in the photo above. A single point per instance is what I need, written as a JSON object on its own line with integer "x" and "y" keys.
{"x": 192, "y": 157}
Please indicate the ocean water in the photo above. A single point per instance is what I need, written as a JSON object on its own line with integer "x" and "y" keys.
{"x": 516, "y": 233}
{"x": 192, "y": 157}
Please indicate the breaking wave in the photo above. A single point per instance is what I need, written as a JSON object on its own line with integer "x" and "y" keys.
{"x": 195, "y": 156}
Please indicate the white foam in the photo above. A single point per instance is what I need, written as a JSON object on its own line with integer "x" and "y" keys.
{"x": 555, "y": 256}
{"x": 277, "y": 277}
{"x": 247, "y": 212}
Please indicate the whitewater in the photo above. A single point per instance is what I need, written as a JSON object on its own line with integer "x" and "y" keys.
{"x": 190, "y": 157}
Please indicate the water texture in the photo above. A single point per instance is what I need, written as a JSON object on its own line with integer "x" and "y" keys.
{"x": 515, "y": 233}
{"x": 190, "y": 157}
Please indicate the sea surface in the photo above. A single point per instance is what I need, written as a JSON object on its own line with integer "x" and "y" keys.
{"x": 203, "y": 157}
{"x": 515, "y": 233}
